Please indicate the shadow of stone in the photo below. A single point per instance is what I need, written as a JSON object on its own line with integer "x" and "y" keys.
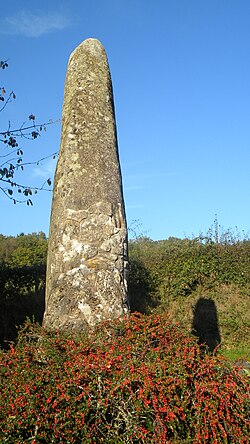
{"x": 140, "y": 288}
{"x": 205, "y": 324}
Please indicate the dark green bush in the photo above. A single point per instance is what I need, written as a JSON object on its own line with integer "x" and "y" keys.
{"x": 19, "y": 281}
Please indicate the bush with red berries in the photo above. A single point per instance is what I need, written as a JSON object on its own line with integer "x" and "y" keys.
{"x": 141, "y": 380}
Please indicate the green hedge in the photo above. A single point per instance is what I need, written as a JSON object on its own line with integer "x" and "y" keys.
{"x": 177, "y": 267}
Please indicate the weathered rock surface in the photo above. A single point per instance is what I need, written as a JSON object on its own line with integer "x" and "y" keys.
{"x": 87, "y": 257}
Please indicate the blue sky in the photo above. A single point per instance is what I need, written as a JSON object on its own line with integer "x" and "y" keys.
{"x": 181, "y": 79}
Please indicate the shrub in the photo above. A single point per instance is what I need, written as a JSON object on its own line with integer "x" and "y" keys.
{"x": 142, "y": 380}
{"x": 177, "y": 267}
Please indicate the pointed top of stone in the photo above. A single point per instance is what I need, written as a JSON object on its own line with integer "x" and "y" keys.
{"x": 91, "y": 45}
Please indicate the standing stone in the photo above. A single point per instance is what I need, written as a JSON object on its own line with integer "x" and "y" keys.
{"x": 87, "y": 256}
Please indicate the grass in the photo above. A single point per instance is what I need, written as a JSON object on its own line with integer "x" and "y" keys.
{"x": 236, "y": 354}
{"x": 226, "y": 314}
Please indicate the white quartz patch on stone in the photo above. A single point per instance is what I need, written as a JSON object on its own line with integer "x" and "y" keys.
{"x": 84, "y": 308}
{"x": 73, "y": 271}
{"x": 69, "y": 248}
{"x": 77, "y": 246}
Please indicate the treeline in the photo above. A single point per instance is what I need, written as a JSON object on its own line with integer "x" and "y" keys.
{"x": 23, "y": 250}
{"x": 22, "y": 264}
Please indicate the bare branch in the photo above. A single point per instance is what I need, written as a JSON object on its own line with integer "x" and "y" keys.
{"x": 37, "y": 162}
{"x": 11, "y": 95}
{"x": 25, "y": 187}
{"x": 18, "y": 132}
{"x": 8, "y": 154}
{"x": 7, "y": 162}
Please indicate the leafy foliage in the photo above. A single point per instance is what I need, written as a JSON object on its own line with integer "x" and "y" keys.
{"x": 22, "y": 264}
{"x": 23, "y": 250}
{"x": 18, "y": 281}
{"x": 140, "y": 287}
{"x": 138, "y": 381}
{"x": 22, "y": 281}
{"x": 178, "y": 266}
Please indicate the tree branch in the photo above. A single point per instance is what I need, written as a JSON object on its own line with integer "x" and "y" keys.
{"x": 22, "y": 129}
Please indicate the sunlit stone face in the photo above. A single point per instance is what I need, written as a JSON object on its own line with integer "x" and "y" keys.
{"x": 87, "y": 258}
